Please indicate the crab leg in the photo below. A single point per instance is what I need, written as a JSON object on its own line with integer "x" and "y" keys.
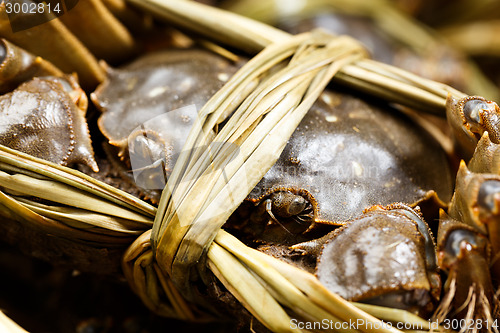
{"x": 463, "y": 253}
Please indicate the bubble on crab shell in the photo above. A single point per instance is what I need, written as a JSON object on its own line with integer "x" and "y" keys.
{"x": 489, "y": 195}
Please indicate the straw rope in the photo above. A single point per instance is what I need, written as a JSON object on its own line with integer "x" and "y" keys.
{"x": 186, "y": 246}
{"x": 8, "y": 325}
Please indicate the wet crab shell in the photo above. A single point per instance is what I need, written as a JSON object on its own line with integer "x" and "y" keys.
{"x": 154, "y": 85}
{"x": 149, "y": 106}
{"x": 45, "y": 117}
{"x": 381, "y": 258}
{"x": 443, "y": 64}
{"x": 350, "y": 155}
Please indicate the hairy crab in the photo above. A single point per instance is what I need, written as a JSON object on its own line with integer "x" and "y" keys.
{"x": 345, "y": 154}
{"x": 323, "y": 177}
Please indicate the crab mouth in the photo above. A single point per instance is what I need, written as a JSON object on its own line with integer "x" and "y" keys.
{"x": 306, "y": 216}
{"x": 296, "y": 224}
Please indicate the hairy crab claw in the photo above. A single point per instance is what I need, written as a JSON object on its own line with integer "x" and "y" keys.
{"x": 464, "y": 254}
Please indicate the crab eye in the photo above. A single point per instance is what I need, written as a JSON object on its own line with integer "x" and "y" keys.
{"x": 488, "y": 192}
{"x": 472, "y": 109}
{"x": 3, "y": 52}
{"x": 456, "y": 238}
{"x": 297, "y": 205}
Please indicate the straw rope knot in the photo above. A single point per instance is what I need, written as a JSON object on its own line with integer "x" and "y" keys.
{"x": 278, "y": 86}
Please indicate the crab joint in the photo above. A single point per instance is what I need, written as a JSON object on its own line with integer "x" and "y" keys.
{"x": 463, "y": 253}
{"x": 469, "y": 118}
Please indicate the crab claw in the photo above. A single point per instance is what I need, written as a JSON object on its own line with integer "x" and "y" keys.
{"x": 463, "y": 253}
{"x": 476, "y": 202}
{"x": 150, "y": 156}
{"x": 470, "y": 117}
{"x": 486, "y": 158}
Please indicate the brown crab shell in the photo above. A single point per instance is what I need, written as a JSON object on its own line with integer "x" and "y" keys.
{"x": 45, "y": 117}
{"x": 136, "y": 101}
{"x": 154, "y": 85}
{"x": 378, "y": 258}
{"x": 351, "y": 155}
